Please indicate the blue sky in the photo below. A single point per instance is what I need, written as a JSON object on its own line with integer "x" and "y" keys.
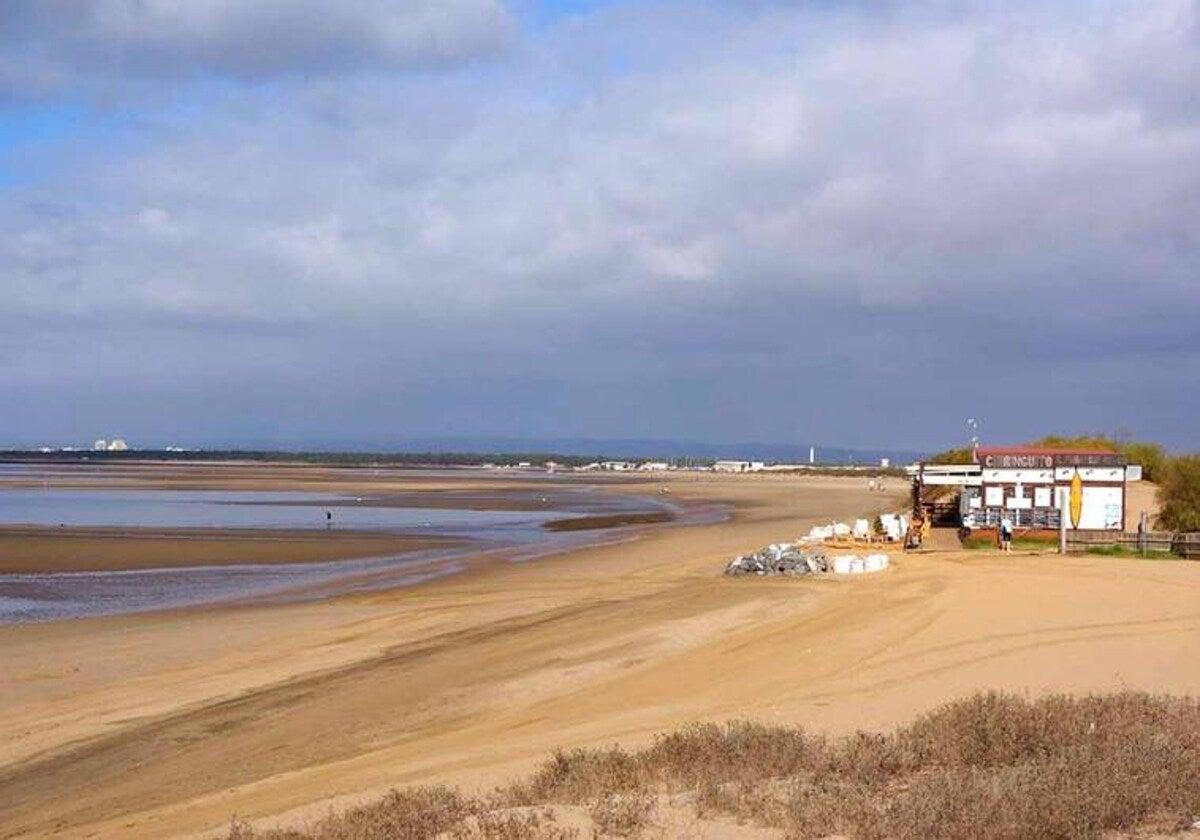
{"x": 856, "y": 224}
{"x": 25, "y": 127}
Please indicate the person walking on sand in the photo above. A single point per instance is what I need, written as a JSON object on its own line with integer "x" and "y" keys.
{"x": 1006, "y": 532}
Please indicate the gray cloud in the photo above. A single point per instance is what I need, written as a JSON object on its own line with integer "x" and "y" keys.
{"x": 54, "y": 46}
{"x": 780, "y": 222}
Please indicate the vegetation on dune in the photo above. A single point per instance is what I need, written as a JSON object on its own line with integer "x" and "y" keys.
{"x": 992, "y": 766}
{"x": 1151, "y": 456}
{"x": 1179, "y": 494}
{"x": 1101, "y": 442}
{"x": 959, "y": 455}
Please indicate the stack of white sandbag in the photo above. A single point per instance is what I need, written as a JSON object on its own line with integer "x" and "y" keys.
{"x": 852, "y": 564}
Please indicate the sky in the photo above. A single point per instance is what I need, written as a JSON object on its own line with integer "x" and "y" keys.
{"x": 857, "y": 223}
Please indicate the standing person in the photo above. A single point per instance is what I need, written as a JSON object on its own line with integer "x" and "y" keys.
{"x": 1006, "y": 532}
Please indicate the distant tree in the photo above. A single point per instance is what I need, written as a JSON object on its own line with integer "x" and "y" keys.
{"x": 961, "y": 455}
{"x": 1151, "y": 456}
{"x": 1179, "y": 494}
{"x": 1077, "y": 442}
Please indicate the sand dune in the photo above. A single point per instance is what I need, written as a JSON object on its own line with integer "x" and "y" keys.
{"x": 166, "y": 725}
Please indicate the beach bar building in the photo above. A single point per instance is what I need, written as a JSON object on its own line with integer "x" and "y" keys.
{"x": 1034, "y": 486}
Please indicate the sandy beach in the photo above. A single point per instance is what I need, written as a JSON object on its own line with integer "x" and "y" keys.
{"x": 167, "y": 724}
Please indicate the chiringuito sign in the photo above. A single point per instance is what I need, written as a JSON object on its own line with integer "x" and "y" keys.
{"x": 1046, "y": 461}
{"x": 1011, "y": 461}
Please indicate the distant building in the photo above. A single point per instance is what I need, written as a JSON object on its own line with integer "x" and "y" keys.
{"x": 885, "y": 462}
{"x": 117, "y": 445}
{"x": 739, "y": 466}
{"x": 618, "y": 466}
{"x": 100, "y": 445}
{"x": 654, "y": 466}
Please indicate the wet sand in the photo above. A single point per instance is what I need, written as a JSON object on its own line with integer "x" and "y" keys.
{"x": 35, "y": 550}
{"x": 167, "y": 724}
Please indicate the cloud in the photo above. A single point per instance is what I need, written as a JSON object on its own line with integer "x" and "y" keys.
{"x": 57, "y": 46}
{"x": 777, "y": 221}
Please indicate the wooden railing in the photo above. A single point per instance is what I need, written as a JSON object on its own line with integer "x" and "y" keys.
{"x": 1185, "y": 545}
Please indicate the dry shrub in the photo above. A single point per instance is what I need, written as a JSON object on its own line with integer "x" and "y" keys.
{"x": 747, "y": 800}
{"x": 999, "y": 766}
{"x": 991, "y": 766}
{"x": 827, "y": 806}
{"x": 869, "y": 758}
{"x": 579, "y": 776}
{"x": 697, "y": 755}
{"x": 414, "y": 814}
{"x": 622, "y": 814}
{"x": 536, "y": 824}
{"x": 708, "y": 753}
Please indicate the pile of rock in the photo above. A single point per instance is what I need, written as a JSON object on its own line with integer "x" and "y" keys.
{"x": 803, "y": 558}
{"x": 780, "y": 559}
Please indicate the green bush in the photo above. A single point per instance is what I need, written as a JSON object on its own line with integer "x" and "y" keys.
{"x": 1151, "y": 456}
{"x": 961, "y": 455}
{"x": 1179, "y": 494}
{"x": 1077, "y": 442}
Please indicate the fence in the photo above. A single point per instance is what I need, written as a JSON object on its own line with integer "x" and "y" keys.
{"x": 1185, "y": 545}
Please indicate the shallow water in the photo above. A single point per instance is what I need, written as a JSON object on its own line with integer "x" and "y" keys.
{"x": 238, "y": 509}
{"x": 49, "y": 597}
{"x": 64, "y": 595}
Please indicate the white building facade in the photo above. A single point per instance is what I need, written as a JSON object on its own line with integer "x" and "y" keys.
{"x": 1035, "y": 487}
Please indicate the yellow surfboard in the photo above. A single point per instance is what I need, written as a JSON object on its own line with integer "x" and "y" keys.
{"x": 1076, "y": 499}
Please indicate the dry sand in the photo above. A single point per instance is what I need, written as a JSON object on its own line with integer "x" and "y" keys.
{"x": 166, "y": 725}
